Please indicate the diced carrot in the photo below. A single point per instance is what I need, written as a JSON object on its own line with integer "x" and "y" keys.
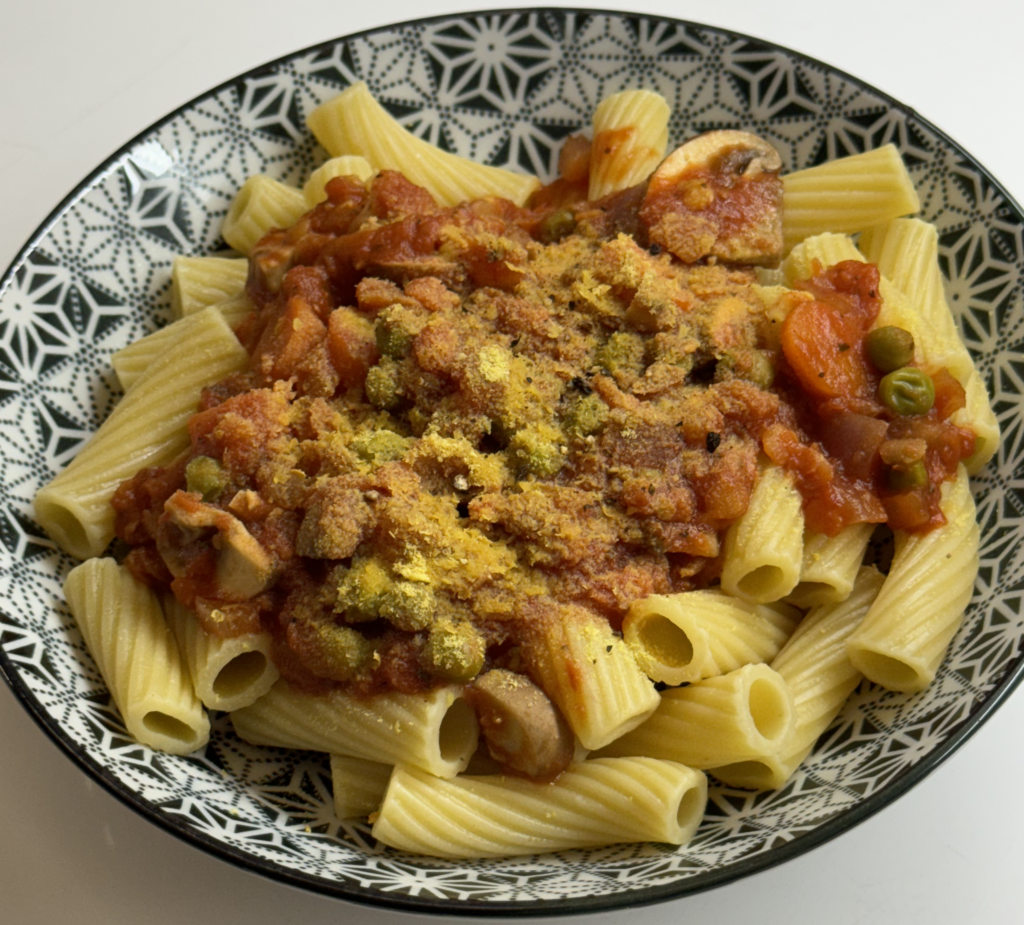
{"x": 824, "y": 349}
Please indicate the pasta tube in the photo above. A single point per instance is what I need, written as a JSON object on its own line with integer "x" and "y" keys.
{"x": 740, "y": 716}
{"x": 679, "y": 638}
{"x": 847, "y": 194}
{"x": 436, "y": 731}
{"x": 590, "y": 673}
{"x": 124, "y": 628}
{"x": 147, "y": 428}
{"x": 830, "y": 565}
{"x": 596, "y": 802}
{"x": 132, "y": 362}
{"x": 921, "y": 605}
{"x": 355, "y": 123}
{"x": 630, "y": 138}
{"x": 261, "y": 205}
{"x": 817, "y": 669}
{"x": 228, "y": 672}
{"x": 764, "y": 548}
{"x": 200, "y": 281}
{"x": 315, "y": 188}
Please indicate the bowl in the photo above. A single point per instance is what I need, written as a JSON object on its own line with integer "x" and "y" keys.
{"x": 506, "y": 88}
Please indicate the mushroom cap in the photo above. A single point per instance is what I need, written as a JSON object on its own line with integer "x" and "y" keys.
{"x": 740, "y": 152}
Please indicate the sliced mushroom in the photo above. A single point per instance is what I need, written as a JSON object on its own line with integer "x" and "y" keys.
{"x": 244, "y": 568}
{"x": 523, "y": 729}
{"x": 720, "y": 152}
{"x": 719, "y": 195}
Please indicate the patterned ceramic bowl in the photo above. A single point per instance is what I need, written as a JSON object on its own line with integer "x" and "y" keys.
{"x": 504, "y": 88}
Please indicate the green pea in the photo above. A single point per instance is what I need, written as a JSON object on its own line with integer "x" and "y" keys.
{"x": 206, "y": 477}
{"x": 907, "y": 391}
{"x": 889, "y": 347}
{"x": 751, "y": 364}
{"x": 557, "y": 225}
{"x": 586, "y": 416}
{"x": 394, "y": 330}
{"x": 454, "y": 651}
{"x": 381, "y": 385}
{"x": 914, "y": 476}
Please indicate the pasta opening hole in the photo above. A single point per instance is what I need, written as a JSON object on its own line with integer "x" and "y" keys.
{"x": 239, "y": 674}
{"x": 66, "y": 528}
{"x": 812, "y": 593}
{"x": 749, "y": 775}
{"x": 888, "y": 671}
{"x": 767, "y": 708}
{"x": 163, "y": 724}
{"x": 761, "y": 584}
{"x": 665, "y": 641}
{"x": 692, "y": 804}
{"x": 457, "y": 737}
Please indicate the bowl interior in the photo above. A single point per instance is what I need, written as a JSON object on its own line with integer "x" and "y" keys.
{"x": 505, "y": 88}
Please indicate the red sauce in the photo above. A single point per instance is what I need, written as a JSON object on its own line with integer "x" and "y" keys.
{"x": 589, "y": 444}
{"x": 837, "y": 399}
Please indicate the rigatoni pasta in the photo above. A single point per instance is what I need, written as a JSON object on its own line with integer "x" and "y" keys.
{"x": 228, "y": 672}
{"x": 625, "y": 799}
{"x": 124, "y": 628}
{"x": 147, "y": 428}
{"x": 764, "y": 547}
{"x": 630, "y": 137}
{"x": 591, "y": 674}
{"x": 437, "y": 732}
{"x": 921, "y": 605}
{"x": 467, "y": 427}
{"x": 829, "y": 566}
{"x": 200, "y": 281}
{"x": 848, "y": 194}
{"x": 354, "y": 123}
{"x": 681, "y": 638}
{"x": 741, "y": 716}
{"x": 262, "y": 204}
{"x": 816, "y": 669}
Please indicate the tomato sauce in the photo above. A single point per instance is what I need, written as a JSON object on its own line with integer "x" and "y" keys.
{"x": 453, "y": 413}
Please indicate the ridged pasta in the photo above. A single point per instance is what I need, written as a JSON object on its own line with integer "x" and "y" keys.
{"x": 847, "y": 194}
{"x": 200, "y": 281}
{"x": 359, "y": 785}
{"x": 124, "y": 628}
{"x": 740, "y": 716}
{"x": 630, "y": 138}
{"x": 315, "y": 188}
{"x": 921, "y": 605}
{"x": 764, "y": 548}
{"x": 436, "y": 731}
{"x": 817, "y": 669}
{"x": 132, "y": 362}
{"x": 261, "y": 205}
{"x": 591, "y": 674}
{"x": 355, "y": 123}
{"x": 827, "y": 248}
{"x": 907, "y": 252}
{"x": 830, "y": 249}
{"x": 830, "y": 565}
{"x": 228, "y": 673}
{"x": 146, "y": 428}
{"x": 681, "y": 638}
{"x": 596, "y": 802}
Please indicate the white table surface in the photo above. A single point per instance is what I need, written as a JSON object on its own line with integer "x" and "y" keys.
{"x": 77, "y": 80}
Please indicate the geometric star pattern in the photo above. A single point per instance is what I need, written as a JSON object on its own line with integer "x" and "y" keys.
{"x": 504, "y": 88}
